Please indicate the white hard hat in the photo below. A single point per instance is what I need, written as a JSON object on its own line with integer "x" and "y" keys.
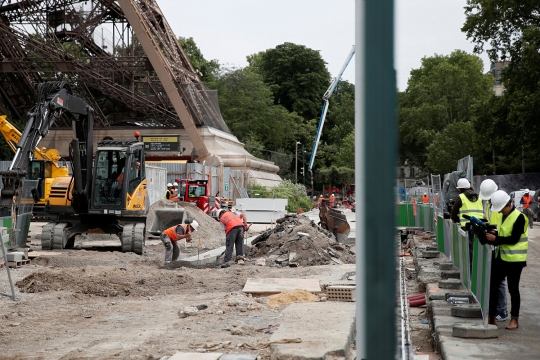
{"x": 499, "y": 199}
{"x": 425, "y": 193}
{"x": 487, "y": 188}
{"x": 169, "y": 185}
{"x": 194, "y": 224}
{"x": 219, "y": 212}
{"x": 463, "y": 184}
{"x": 526, "y": 191}
{"x": 175, "y": 184}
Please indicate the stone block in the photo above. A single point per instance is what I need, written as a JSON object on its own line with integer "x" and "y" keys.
{"x": 15, "y": 256}
{"x": 447, "y": 266}
{"x": 238, "y": 357}
{"x": 475, "y": 331}
{"x": 458, "y": 294}
{"x": 430, "y": 254}
{"x": 450, "y": 274}
{"x": 471, "y": 311}
{"x": 454, "y": 284}
{"x": 196, "y": 356}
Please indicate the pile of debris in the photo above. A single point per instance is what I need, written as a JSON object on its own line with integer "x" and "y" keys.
{"x": 210, "y": 232}
{"x": 298, "y": 241}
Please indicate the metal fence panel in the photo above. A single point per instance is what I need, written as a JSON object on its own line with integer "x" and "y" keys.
{"x": 439, "y": 223}
{"x": 481, "y": 276}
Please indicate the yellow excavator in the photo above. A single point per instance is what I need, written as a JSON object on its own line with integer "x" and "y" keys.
{"x": 45, "y": 166}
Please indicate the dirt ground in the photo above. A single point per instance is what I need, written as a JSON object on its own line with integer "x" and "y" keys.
{"x": 101, "y": 303}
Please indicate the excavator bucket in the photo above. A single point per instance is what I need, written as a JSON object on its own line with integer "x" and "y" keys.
{"x": 166, "y": 218}
{"x": 335, "y": 221}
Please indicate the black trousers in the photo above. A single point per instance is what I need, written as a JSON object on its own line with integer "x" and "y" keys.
{"x": 234, "y": 238}
{"x": 500, "y": 270}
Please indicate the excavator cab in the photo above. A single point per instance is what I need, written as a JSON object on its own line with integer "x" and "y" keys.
{"x": 119, "y": 178}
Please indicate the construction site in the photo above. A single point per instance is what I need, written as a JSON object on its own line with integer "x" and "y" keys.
{"x": 111, "y": 124}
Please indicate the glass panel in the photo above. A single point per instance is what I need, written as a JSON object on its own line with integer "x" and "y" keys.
{"x": 109, "y": 178}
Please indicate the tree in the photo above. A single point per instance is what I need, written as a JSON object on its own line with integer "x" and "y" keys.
{"x": 205, "y": 69}
{"x": 443, "y": 91}
{"x": 297, "y": 76}
{"x": 247, "y": 107}
{"x": 511, "y": 31}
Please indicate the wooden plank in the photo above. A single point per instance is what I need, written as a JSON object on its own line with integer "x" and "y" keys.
{"x": 35, "y": 254}
{"x": 277, "y": 285}
{"x": 195, "y": 356}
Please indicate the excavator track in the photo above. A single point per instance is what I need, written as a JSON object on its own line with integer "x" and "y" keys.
{"x": 133, "y": 238}
{"x": 54, "y": 236}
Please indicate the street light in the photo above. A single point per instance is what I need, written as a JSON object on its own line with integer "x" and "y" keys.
{"x": 296, "y": 162}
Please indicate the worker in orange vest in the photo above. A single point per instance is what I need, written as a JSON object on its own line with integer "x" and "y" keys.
{"x": 526, "y": 201}
{"x": 425, "y": 199}
{"x": 171, "y": 236}
{"x": 234, "y": 224}
{"x": 332, "y": 200}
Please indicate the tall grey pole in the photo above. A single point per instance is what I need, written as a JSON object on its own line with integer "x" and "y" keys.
{"x": 375, "y": 150}
{"x": 360, "y": 173}
{"x": 296, "y": 164}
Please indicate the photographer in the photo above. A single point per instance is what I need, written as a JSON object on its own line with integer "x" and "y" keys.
{"x": 510, "y": 257}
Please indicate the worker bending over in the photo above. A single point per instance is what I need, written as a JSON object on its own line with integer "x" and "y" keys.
{"x": 171, "y": 236}
{"x": 234, "y": 224}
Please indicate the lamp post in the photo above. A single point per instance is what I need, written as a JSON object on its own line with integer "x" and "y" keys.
{"x": 296, "y": 162}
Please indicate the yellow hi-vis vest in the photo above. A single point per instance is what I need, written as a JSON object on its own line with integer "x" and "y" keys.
{"x": 469, "y": 208}
{"x": 491, "y": 216}
{"x": 518, "y": 251}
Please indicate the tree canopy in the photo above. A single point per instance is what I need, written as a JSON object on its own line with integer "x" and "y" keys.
{"x": 445, "y": 90}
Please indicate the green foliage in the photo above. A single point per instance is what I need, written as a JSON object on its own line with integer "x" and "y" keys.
{"x": 335, "y": 176}
{"x": 454, "y": 142}
{"x": 295, "y": 193}
{"x": 508, "y": 125}
{"x": 206, "y": 69}
{"x": 258, "y": 191}
{"x": 297, "y": 76}
{"x": 444, "y": 90}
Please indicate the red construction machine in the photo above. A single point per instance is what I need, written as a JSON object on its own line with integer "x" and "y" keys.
{"x": 198, "y": 192}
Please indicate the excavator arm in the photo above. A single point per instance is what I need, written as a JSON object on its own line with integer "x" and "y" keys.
{"x": 13, "y": 135}
{"x": 53, "y": 100}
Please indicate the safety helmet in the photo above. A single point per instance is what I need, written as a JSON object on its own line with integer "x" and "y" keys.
{"x": 463, "y": 184}
{"x": 220, "y": 211}
{"x": 499, "y": 199}
{"x": 425, "y": 193}
{"x": 175, "y": 184}
{"x": 194, "y": 224}
{"x": 526, "y": 191}
{"x": 487, "y": 188}
{"x": 169, "y": 185}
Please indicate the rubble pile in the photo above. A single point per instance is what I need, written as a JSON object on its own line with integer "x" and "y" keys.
{"x": 298, "y": 241}
{"x": 210, "y": 231}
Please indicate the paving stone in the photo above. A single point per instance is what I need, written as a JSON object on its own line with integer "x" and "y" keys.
{"x": 464, "y": 294}
{"x": 450, "y": 274}
{"x": 454, "y": 284}
{"x": 447, "y": 266}
{"x": 196, "y": 356}
{"x": 430, "y": 254}
{"x": 475, "y": 331}
{"x": 471, "y": 311}
{"x": 238, "y": 357}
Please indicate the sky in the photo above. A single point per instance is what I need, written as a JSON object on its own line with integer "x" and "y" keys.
{"x": 231, "y": 30}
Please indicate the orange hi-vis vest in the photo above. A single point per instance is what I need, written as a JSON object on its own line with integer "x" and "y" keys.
{"x": 527, "y": 199}
{"x": 425, "y": 199}
{"x": 231, "y": 220}
{"x": 171, "y": 232}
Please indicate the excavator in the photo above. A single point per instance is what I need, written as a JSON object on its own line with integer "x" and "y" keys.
{"x": 46, "y": 164}
{"x": 107, "y": 193}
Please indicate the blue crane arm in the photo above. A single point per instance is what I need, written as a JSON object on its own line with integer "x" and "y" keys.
{"x": 326, "y": 96}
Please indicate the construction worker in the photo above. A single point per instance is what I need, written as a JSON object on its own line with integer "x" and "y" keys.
{"x": 526, "y": 201}
{"x": 487, "y": 189}
{"x": 174, "y": 196}
{"x": 332, "y": 200}
{"x": 425, "y": 198}
{"x": 234, "y": 224}
{"x": 171, "y": 236}
{"x": 467, "y": 203}
{"x": 510, "y": 259}
{"x": 168, "y": 192}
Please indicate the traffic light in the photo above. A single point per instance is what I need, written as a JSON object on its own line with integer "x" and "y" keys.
{"x": 302, "y": 171}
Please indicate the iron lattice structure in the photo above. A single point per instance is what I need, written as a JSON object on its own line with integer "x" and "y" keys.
{"x": 91, "y": 45}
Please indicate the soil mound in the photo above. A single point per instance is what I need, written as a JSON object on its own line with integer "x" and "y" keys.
{"x": 289, "y": 297}
{"x": 298, "y": 241}
{"x": 209, "y": 231}
{"x": 107, "y": 283}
